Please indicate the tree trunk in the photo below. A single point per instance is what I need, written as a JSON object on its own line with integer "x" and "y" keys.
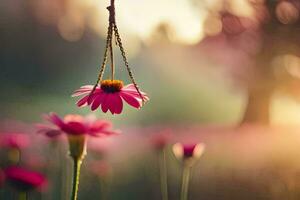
{"x": 257, "y": 109}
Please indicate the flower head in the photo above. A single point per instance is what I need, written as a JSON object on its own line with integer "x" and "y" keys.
{"x": 23, "y": 179}
{"x": 14, "y": 140}
{"x": 188, "y": 152}
{"x": 76, "y": 127}
{"x": 110, "y": 95}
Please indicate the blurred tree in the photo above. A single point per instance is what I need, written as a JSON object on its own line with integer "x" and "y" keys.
{"x": 262, "y": 47}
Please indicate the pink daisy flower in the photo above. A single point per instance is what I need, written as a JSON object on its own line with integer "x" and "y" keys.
{"x": 23, "y": 179}
{"x": 76, "y": 128}
{"x": 110, "y": 95}
{"x": 75, "y": 125}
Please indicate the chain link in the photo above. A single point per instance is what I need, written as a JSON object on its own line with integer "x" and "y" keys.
{"x": 123, "y": 53}
{"x": 112, "y": 28}
{"x": 108, "y": 39}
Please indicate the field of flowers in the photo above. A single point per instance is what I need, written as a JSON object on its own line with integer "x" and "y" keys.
{"x": 150, "y": 100}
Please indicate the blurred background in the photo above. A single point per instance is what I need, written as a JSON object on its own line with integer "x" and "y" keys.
{"x": 226, "y": 72}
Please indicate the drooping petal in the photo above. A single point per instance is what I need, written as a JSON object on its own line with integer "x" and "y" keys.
{"x": 97, "y": 101}
{"x": 109, "y": 101}
{"x": 105, "y": 102}
{"x": 131, "y": 99}
{"x": 137, "y": 95}
{"x": 83, "y": 101}
{"x": 55, "y": 119}
{"x": 48, "y": 130}
{"x": 99, "y": 126}
{"x": 92, "y": 97}
{"x": 116, "y": 104}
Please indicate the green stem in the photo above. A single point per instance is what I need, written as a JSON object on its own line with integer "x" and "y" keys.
{"x": 185, "y": 182}
{"x": 163, "y": 175}
{"x": 22, "y": 196}
{"x": 76, "y": 174}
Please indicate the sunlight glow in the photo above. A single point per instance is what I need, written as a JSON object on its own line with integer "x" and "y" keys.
{"x": 142, "y": 17}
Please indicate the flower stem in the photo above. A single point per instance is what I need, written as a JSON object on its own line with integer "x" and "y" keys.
{"x": 163, "y": 175}
{"x": 185, "y": 182}
{"x": 76, "y": 174}
{"x": 22, "y": 196}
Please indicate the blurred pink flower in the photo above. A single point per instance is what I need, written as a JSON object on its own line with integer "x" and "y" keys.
{"x": 110, "y": 95}
{"x": 186, "y": 151}
{"x": 14, "y": 140}
{"x": 160, "y": 140}
{"x": 2, "y": 178}
{"x": 23, "y": 179}
{"x": 76, "y": 125}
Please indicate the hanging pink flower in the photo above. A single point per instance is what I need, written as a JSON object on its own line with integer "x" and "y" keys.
{"x": 75, "y": 125}
{"x": 14, "y": 140}
{"x": 23, "y": 179}
{"x": 110, "y": 95}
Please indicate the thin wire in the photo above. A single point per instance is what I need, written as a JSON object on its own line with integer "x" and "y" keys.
{"x": 119, "y": 41}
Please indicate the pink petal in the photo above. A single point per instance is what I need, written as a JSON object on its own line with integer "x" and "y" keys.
{"x": 109, "y": 102}
{"x": 100, "y": 125}
{"x": 136, "y": 94}
{"x": 105, "y": 102}
{"x": 116, "y": 103}
{"x": 79, "y": 93}
{"x": 52, "y": 133}
{"x": 55, "y": 119}
{"x": 97, "y": 102}
{"x": 75, "y": 128}
{"x": 105, "y": 133}
{"x": 82, "y": 90}
{"x": 131, "y": 99}
{"x": 92, "y": 97}
{"x": 83, "y": 101}
{"x": 129, "y": 86}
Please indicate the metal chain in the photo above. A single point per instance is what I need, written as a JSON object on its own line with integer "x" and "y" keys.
{"x": 119, "y": 42}
{"x": 108, "y": 39}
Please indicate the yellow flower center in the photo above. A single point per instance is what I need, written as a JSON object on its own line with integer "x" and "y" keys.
{"x": 111, "y": 86}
